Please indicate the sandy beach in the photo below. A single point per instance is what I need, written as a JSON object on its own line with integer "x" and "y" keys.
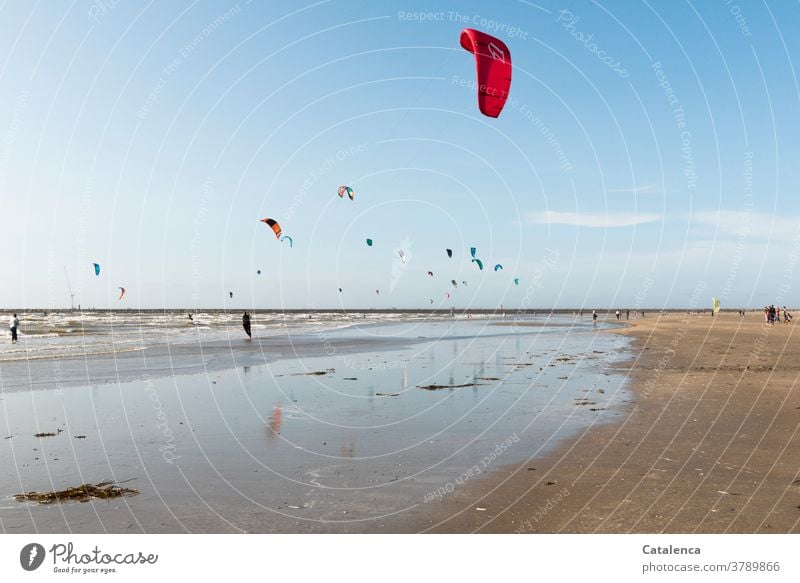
{"x": 710, "y": 445}
{"x": 674, "y": 423}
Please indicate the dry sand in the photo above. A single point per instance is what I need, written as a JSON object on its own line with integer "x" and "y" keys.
{"x": 710, "y": 445}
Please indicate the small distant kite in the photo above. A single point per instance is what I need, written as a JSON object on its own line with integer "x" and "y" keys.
{"x": 121, "y": 292}
{"x": 430, "y": 273}
{"x": 498, "y": 267}
{"x": 369, "y": 242}
{"x": 479, "y": 263}
{"x": 230, "y": 294}
{"x": 516, "y": 281}
{"x": 448, "y": 295}
{"x": 273, "y": 224}
{"x": 377, "y": 292}
{"x": 449, "y": 253}
{"x": 464, "y": 283}
{"x": 258, "y": 272}
{"x": 348, "y": 191}
{"x": 715, "y": 305}
{"x": 431, "y": 300}
{"x": 454, "y": 282}
{"x": 288, "y": 238}
{"x": 340, "y": 290}
{"x": 402, "y": 255}
{"x": 96, "y": 268}
{"x": 493, "y": 63}
{"x": 473, "y": 250}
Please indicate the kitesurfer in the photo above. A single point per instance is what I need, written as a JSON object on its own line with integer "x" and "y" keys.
{"x": 246, "y": 324}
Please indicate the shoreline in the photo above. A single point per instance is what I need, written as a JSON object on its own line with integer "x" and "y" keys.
{"x": 711, "y": 444}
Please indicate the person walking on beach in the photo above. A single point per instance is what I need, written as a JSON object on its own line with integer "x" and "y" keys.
{"x": 246, "y": 324}
{"x": 617, "y": 314}
{"x": 594, "y": 317}
{"x": 13, "y": 324}
{"x": 627, "y": 314}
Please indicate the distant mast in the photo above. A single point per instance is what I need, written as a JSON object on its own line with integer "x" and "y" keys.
{"x": 71, "y": 294}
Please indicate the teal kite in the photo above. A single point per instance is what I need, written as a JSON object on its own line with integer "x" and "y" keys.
{"x": 348, "y": 191}
{"x": 369, "y": 242}
{"x": 479, "y": 263}
{"x": 96, "y": 268}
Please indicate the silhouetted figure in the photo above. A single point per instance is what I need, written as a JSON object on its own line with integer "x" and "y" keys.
{"x": 246, "y": 324}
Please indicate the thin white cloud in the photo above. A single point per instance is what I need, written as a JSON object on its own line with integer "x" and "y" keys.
{"x": 750, "y": 225}
{"x": 593, "y": 220}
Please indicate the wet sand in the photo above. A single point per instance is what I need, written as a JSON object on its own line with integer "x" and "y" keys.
{"x": 355, "y": 430}
{"x": 711, "y": 445}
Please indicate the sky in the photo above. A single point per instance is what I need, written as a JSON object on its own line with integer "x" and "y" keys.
{"x": 646, "y": 156}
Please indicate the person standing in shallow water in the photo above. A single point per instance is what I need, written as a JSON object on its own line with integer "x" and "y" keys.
{"x": 594, "y": 317}
{"x": 246, "y": 323}
{"x": 13, "y": 324}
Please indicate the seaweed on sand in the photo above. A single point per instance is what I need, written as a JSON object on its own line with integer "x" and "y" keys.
{"x": 48, "y": 433}
{"x": 83, "y": 493}
{"x": 315, "y": 373}
{"x": 439, "y": 387}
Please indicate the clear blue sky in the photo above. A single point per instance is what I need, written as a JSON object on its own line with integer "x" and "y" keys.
{"x": 653, "y": 163}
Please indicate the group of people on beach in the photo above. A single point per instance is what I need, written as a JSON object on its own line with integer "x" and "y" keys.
{"x": 772, "y": 315}
{"x": 13, "y": 325}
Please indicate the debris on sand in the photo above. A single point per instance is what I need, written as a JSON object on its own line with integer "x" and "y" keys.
{"x": 387, "y": 394}
{"x": 82, "y": 493}
{"x": 48, "y": 434}
{"x": 316, "y": 373}
{"x": 550, "y": 483}
{"x": 350, "y": 378}
{"x": 79, "y": 436}
{"x": 580, "y": 402}
{"x": 440, "y": 387}
{"x": 488, "y": 378}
